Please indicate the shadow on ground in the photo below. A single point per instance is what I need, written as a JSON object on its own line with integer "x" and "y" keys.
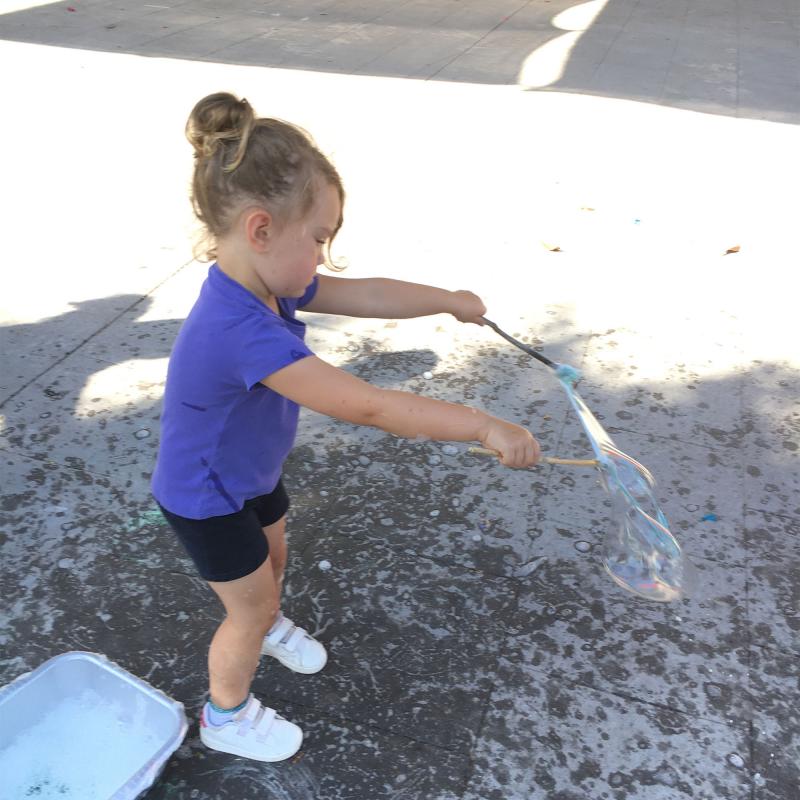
{"x": 739, "y": 60}
{"x": 473, "y": 633}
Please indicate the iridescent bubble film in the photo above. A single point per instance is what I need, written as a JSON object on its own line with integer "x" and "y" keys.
{"x": 639, "y": 553}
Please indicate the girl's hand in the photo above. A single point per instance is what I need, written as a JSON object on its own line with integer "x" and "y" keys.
{"x": 516, "y": 445}
{"x": 467, "y": 307}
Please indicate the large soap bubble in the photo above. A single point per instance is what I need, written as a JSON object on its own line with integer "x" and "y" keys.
{"x": 639, "y": 553}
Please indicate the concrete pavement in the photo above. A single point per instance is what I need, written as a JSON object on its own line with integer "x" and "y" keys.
{"x": 708, "y": 55}
{"x": 476, "y": 652}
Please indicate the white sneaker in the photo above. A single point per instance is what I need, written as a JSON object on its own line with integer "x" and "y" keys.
{"x": 294, "y": 648}
{"x": 255, "y": 732}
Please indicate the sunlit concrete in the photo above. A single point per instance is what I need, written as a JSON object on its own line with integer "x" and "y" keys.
{"x": 455, "y": 183}
{"x": 546, "y": 64}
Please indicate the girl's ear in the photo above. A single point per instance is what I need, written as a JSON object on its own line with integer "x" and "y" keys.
{"x": 259, "y": 227}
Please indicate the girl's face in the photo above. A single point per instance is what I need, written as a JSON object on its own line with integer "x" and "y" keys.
{"x": 297, "y": 249}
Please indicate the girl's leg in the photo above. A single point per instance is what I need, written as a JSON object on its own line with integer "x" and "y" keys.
{"x": 251, "y": 604}
{"x": 276, "y": 538}
{"x": 307, "y": 655}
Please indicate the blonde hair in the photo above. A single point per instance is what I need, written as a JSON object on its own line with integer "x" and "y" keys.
{"x": 241, "y": 158}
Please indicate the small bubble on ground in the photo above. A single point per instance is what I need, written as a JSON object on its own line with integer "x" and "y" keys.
{"x": 142, "y": 434}
{"x": 434, "y": 513}
{"x": 352, "y": 348}
{"x": 323, "y": 493}
{"x": 583, "y": 547}
{"x": 387, "y": 522}
{"x": 734, "y": 759}
{"x": 324, "y": 565}
{"x": 476, "y": 537}
{"x": 44, "y": 415}
{"x": 427, "y": 375}
{"x": 364, "y": 461}
{"x": 450, "y": 450}
{"x": 758, "y": 779}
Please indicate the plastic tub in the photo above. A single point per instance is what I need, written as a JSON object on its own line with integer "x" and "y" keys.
{"x": 79, "y": 727}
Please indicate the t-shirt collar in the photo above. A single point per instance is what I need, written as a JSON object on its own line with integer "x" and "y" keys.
{"x": 233, "y": 290}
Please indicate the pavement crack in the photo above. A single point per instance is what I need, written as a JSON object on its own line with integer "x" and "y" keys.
{"x": 479, "y": 40}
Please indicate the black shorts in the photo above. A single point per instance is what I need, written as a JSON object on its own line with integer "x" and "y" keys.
{"x": 233, "y": 545}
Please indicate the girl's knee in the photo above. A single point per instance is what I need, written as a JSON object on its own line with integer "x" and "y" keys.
{"x": 251, "y": 601}
{"x": 270, "y": 616}
{"x": 278, "y": 562}
{"x": 257, "y": 618}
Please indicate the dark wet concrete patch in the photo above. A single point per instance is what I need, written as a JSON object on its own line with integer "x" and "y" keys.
{"x": 575, "y": 623}
{"x": 340, "y": 759}
{"x": 774, "y": 485}
{"x": 441, "y": 503}
{"x": 157, "y": 624}
{"x": 90, "y": 415}
{"x": 772, "y": 538}
{"x": 775, "y": 687}
{"x": 773, "y": 604}
{"x": 413, "y": 644}
{"x": 544, "y": 737}
{"x": 773, "y": 592}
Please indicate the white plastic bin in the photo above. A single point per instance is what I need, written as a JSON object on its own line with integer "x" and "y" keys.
{"x": 79, "y": 727}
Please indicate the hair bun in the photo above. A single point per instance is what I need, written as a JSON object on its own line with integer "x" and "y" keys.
{"x": 219, "y": 117}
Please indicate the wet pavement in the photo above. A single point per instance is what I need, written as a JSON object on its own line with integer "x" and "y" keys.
{"x": 478, "y": 650}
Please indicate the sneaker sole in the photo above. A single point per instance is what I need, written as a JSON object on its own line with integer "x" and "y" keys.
{"x": 244, "y": 752}
{"x": 293, "y": 668}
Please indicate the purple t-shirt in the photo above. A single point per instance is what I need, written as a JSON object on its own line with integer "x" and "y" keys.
{"x": 224, "y": 435}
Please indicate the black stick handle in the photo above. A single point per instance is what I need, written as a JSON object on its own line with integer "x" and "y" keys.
{"x": 524, "y": 347}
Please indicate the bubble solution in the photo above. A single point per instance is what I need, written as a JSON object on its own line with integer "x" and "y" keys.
{"x": 83, "y": 748}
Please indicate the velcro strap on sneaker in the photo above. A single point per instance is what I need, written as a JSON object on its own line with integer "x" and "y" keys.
{"x": 265, "y": 723}
{"x": 247, "y": 717}
{"x": 276, "y": 634}
{"x": 298, "y": 635}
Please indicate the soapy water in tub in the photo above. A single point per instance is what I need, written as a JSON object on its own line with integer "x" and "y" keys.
{"x": 85, "y": 748}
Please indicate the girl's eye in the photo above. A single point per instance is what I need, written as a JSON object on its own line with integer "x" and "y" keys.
{"x": 324, "y": 241}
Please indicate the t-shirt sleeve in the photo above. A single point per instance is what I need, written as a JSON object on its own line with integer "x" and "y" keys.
{"x": 266, "y": 348}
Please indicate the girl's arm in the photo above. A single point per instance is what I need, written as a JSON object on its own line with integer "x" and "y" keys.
{"x": 322, "y": 387}
{"x": 384, "y": 298}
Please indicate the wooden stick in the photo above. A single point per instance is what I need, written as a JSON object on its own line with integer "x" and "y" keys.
{"x": 571, "y": 462}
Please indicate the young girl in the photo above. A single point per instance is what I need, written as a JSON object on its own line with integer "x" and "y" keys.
{"x": 272, "y": 204}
